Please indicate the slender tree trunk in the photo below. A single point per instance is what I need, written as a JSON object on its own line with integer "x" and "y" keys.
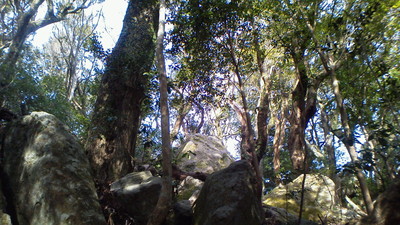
{"x": 164, "y": 202}
{"x": 115, "y": 122}
{"x": 349, "y": 142}
{"x": 263, "y": 109}
{"x": 262, "y": 124}
{"x": 330, "y": 151}
{"x": 182, "y": 112}
{"x": 248, "y": 145}
{"x": 277, "y": 144}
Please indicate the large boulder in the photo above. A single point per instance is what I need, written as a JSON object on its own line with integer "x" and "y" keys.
{"x": 5, "y": 218}
{"x": 200, "y": 153}
{"x": 319, "y": 200}
{"x": 386, "y": 208}
{"x": 279, "y": 216}
{"x": 228, "y": 197}
{"x": 183, "y": 214}
{"x": 137, "y": 194}
{"x": 189, "y": 189}
{"x": 47, "y": 173}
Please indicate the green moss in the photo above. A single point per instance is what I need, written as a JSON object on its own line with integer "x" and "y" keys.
{"x": 310, "y": 211}
{"x": 186, "y": 193}
{"x": 288, "y": 204}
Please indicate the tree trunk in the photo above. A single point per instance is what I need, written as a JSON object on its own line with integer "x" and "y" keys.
{"x": 348, "y": 141}
{"x": 330, "y": 151}
{"x": 248, "y": 145}
{"x": 116, "y": 117}
{"x": 304, "y": 106}
{"x": 296, "y": 143}
{"x": 263, "y": 109}
{"x": 277, "y": 144}
{"x": 262, "y": 124}
{"x": 164, "y": 202}
{"x": 182, "y": 112}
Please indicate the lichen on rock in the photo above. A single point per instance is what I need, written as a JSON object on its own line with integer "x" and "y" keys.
{"x": 319, "y": 199}
{"x": 49, "y": 173}
{"x": 201, "y": 153}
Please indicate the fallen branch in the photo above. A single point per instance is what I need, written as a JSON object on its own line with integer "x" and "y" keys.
{"x": 179, "y": 174}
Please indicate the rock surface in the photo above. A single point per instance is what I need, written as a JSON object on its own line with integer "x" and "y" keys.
{"x": 189, "y": 189}
{"x": 386, "y": 208}
{"x": 200, "y": 153}
{"x": 5, "y": 219}
{"x": 48, "y": 174}
{"x": 227, "y": 197}
{"x": 319, "y": 202}
{"x": 279, "y": 216}
{"x": 137, "y": 194}
{"x": 183, "y": 214}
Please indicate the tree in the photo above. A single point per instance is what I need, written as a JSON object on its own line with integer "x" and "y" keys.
{"x": 72, "y": 58}
{"x": 290, "y": 32}
{"x": 219, "y": 34}
{"x": 19, "y": 20}
{"x": 70, "y": 45}
{"x": 334, "y": 52}
{"x": 164, "y": 202}
{"x": 117, "y": 111}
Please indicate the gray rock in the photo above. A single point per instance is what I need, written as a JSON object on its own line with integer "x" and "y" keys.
{"x": 386, "y": 208}
{"x": 189, "y": 189}
{"x": 183, "y": 214}
{"x": 279, "y": 216}
{"x": 48, "y": 173}
{"x": 227, "y": 197}
{"x": 137, "y": 194}
{"x": 201, "y": 153}
{"x": 5, "y": 219}
{"x": 319, "y": 202}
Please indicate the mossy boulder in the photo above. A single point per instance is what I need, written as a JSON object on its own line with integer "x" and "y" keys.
{"x": 201, "y": 153}
{"x": 279, "y": 216}
{"x": 47, "y": 173}
{"x": 319, "y": 199}
{"x": 189, "y": 188}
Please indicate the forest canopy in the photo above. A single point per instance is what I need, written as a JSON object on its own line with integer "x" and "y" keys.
{"x": 310, "y": 86}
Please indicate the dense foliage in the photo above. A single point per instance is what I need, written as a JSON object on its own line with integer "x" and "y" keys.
{"x": 324, "y": 72}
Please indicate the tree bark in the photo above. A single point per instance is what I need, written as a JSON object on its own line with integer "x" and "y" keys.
{"x": 164, "y": 202}
{"x": 277, "y": 144}
{"x": 116, "y": 117}
{"x": 296, "y": 143}
{"x": 263, "y": 109}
